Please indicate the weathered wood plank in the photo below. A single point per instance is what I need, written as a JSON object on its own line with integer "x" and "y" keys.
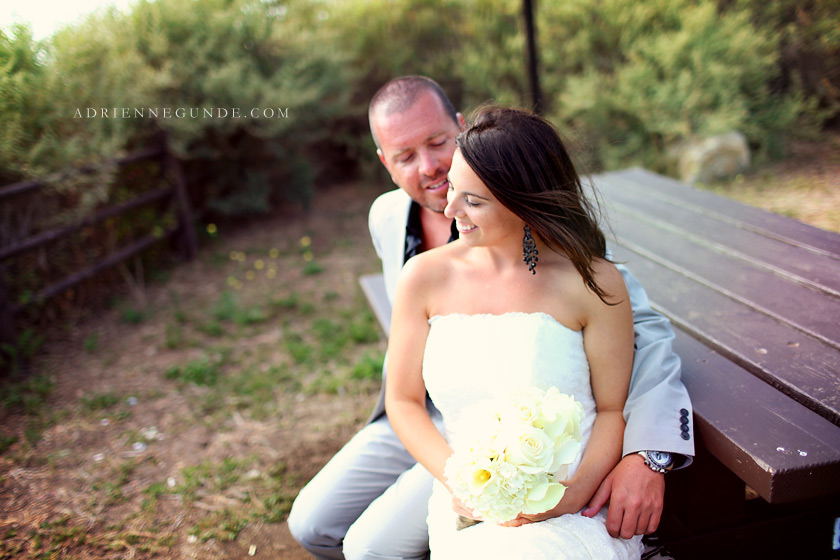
{"x": 748, "y": 217}
{"x": 796, "y": 304}
{"x": 780, "y": 448}
{"x": 803, "y": 367}
{"x": 817, "y": 269}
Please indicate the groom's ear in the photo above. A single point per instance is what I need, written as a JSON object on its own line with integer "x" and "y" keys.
{"x": 462, "y": 123}
{"x": 385, "y": 163}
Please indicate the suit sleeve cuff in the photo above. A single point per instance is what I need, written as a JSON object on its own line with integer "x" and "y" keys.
{"x": 681, "y": 460}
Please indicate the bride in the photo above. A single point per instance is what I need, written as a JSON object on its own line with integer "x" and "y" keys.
{"x": 472, "y": 323}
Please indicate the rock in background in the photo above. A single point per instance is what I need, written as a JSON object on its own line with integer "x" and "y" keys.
{"x": 711, "y": 159}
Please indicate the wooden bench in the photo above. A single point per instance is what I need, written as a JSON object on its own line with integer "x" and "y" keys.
{"x": 755, "y": 302}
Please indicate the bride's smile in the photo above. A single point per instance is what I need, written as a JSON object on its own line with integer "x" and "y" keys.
{"x": 464, "y": 228}
{"x": 480, "y": 218}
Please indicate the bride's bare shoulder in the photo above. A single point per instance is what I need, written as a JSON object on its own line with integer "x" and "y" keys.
{"x": 430, "y": 268}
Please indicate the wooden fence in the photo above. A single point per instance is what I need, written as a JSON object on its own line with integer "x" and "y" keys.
{"x": 171, "y": 189}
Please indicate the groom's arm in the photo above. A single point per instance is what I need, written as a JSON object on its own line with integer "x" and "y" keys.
{"x": 658, "y": 408}
{"x": 658, "y": 418}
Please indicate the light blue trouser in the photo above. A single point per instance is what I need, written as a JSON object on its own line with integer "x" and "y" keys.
{"x": 369, "y": 502}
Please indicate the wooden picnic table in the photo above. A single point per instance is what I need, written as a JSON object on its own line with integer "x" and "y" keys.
{"x": 755, "y": 301}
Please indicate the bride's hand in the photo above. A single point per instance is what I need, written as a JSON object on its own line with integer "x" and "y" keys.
{"x": 461, "y": 509}
{"x": 571, "y": 503}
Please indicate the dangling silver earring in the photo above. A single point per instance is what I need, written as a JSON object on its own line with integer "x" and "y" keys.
{"x": 529, "y": 250}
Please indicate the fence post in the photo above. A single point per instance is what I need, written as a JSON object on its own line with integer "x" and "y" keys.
{"x": 187, "y": 240}
{"x": 7, "y": 319}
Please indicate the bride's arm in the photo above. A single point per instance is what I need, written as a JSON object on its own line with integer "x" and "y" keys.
{"x": 405, "y": 391}
{"x": 608, "y": 342}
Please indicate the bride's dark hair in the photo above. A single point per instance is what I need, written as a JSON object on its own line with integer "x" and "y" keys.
{"x": 521, "y": 159}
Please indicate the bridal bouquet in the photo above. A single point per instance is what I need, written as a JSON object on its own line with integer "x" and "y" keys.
{"x": 523, "y": 447}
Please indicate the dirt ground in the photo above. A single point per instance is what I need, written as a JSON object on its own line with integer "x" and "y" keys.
{"x": 82, "y": 490}
{"x": 804, "y": 186}
{"x": 95, "y": 484}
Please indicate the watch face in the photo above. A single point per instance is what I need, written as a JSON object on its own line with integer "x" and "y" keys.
{"x": 661, "y": 458}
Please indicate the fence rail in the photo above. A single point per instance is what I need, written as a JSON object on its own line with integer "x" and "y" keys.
{"x": 172, "y": 191}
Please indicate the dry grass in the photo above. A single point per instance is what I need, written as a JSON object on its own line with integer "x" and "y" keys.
{"x": 805, "y": 186}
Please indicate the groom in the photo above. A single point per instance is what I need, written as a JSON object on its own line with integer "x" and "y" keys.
{"x": 370, "y": 500}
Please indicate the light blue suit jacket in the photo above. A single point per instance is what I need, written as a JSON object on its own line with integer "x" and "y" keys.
{"x": 657, "y": 406}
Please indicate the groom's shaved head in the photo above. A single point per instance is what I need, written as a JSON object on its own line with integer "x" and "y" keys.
{"x": 400, "y": 94}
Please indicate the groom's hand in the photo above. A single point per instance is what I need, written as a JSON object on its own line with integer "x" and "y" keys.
{"x": 635, "y": 494}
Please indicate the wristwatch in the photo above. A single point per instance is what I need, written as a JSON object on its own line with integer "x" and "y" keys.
{"x": 659, "y": 461}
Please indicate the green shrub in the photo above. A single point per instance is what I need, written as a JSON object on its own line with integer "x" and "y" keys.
{"x": 637, "y": 78}
{"x": 23, "y": 98}
{"x": 223, "y": 55}
{"x": 492, "y": 62}
{"x": 808, "y": 46}
{"x": 218, "y": 56}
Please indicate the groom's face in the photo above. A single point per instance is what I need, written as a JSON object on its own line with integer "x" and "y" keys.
{"x": 416, "y": 147}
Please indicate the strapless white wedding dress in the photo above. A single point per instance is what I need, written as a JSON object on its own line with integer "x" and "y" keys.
{"x": 472, "y": 358}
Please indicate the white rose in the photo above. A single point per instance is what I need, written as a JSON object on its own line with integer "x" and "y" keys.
{"x": 560, "y": 415}
{"x": 530, "y": 449}
{"x": 526, "y": 405}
